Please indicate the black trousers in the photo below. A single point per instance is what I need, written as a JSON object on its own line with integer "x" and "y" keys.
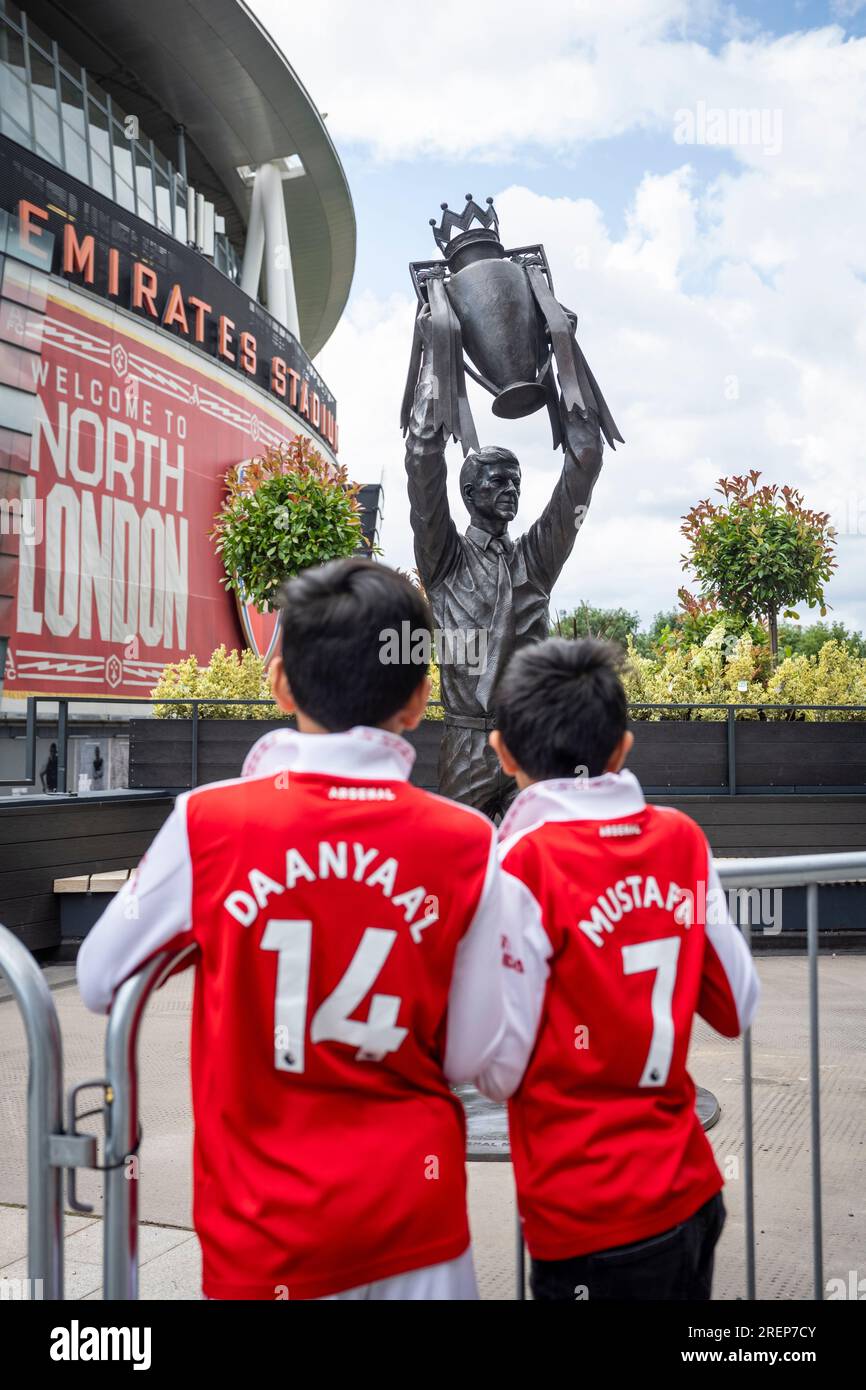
{"x": 676, "y": 1265}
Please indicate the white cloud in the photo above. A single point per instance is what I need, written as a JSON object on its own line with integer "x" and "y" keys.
{"x": 725, "y": 324}
{"x": 489, "y": 78}
{"x": 701, "y": 385}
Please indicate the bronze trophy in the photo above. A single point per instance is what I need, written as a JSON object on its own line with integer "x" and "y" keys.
{"x": 498, "y": 306}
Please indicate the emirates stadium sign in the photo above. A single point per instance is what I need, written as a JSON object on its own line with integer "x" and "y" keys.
{"x": 97, "y": 245}
{"x": 138, "y": 413}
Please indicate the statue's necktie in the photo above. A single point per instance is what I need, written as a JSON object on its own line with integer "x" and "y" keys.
{"x": 500, "y": 619}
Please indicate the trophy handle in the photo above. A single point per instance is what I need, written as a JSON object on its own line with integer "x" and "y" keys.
{"x": 417, "y": 269}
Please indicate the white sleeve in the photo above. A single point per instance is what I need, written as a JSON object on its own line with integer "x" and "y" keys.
{"x": 475, "y": 999}
{"x": 730, "y": 988}
{"x": 526, "y": 951}
{"x": 153, "y": 908}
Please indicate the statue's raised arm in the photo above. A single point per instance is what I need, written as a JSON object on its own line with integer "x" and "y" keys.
{"x": 550, "y": 539}
{"x": 436, "y": 543}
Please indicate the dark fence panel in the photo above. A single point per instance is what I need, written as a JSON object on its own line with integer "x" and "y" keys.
{"x": 746, "y": 826}
{"x": 681, "y": 754}
{"x": 800, "y": 754}
{"x": 426, "y": 740}
{"x": 161, "y": 750}
{"x": 44, "y": 838}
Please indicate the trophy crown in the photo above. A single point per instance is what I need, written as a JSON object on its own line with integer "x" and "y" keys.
{"x": 453, "y": 224}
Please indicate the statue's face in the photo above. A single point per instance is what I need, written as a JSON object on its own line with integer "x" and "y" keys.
{"x": 494, "y": 493}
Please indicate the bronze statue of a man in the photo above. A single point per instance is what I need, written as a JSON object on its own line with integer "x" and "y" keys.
{"x": 489, "y": 593}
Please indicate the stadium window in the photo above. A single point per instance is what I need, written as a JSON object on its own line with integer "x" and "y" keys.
{"x": 144, "y": 181}
{"x": 97, "y": 122}
{"x": 38, "y": 39}
{"x": 74, "y": 129}
{"x": 14, "y": 110}
{"x": 180, "y": 218}
{"x": 101, "y": 175}
{"x": 42, "y": 75}
{"x": 11, "y": 11}
{"x": 72, "y": 104}
{"x": 69, "y": 66}
{"x": 124, "y": 190}
{"x": 75, "y": 154}
{"x": 162, "y": 178}
{"x": 46, "y": 129}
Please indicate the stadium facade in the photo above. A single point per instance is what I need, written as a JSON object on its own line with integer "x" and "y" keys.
{"x": 178, "y": 241}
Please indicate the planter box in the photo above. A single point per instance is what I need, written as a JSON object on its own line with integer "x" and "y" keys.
{"x": 680, "y": 755}
{"x": 160, "y": 750}
{"x": 797, "y": 754}
{"x": 691, "y": 754}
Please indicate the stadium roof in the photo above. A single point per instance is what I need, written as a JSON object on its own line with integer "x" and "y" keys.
{"x": 210, "y": 66}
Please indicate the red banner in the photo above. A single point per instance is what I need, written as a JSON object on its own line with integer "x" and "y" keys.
{"x": 132, "y": 441}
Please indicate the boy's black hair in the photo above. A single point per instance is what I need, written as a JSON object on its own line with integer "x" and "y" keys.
{"x": 333, "y": 621}
{"x": 561, "y": 707}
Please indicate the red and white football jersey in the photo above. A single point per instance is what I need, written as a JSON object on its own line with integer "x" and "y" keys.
{"x": 348, "y": 969}
{"x": 626, "y": 936}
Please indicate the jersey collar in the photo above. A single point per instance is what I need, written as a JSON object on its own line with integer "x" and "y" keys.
{"x": 608, "y": 797}
{"x": 374, "y": 754}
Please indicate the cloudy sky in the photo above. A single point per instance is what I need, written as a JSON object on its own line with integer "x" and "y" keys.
{"x": 716, "y": 259}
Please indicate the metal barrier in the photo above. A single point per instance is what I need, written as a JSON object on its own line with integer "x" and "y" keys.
{"x": 44, "y": 1115}
{"x": 674, "y": 711}
{"x": 50, "y": 1149}
{"x": 792, "y": 871}
{"x": 122, "y": 1134}
{"x": 781, "y": 871}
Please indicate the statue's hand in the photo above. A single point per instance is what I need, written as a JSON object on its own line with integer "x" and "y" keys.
{"x": 421, "y": 423}
{"x": 424, "y": 324}
{"x": 584, "y": 442}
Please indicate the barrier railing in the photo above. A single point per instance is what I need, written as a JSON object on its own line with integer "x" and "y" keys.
{"x": 50, "y": 1149}
{"x": 122, "y": 1134}
{"x": 44, "y": 1115}
{"x": 792, "y": 871}
{"x": 780, "y": 871}
{"x": 681, "y": 711}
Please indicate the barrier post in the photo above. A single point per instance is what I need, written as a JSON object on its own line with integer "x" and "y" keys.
{"x": 120, "y": 1223}
{"x": 815, "y": 1089}
{"x": 44, "y": 1115}
{"x": 520, "y": 1263}
{"x": 749, "y": 1136}
{"x": 793, "y": 871}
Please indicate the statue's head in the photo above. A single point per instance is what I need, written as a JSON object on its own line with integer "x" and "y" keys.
{"x": 490, "y": 487}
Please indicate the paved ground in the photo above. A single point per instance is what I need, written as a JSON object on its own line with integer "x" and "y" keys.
{"x": 169, "y": 1250}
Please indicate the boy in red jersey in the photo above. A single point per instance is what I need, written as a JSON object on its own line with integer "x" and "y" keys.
{"x": 348, "y": 970}
{"x": 625, "y": 937}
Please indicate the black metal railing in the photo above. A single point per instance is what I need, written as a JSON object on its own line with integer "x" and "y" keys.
{"x": 674, "y": 711}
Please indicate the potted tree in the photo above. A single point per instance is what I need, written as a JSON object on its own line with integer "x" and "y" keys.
{"x": 282, "y": 513}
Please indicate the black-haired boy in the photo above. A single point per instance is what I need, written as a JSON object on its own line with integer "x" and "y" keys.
{"x": 348, "y": 970}
{"x": 626, "y": 937}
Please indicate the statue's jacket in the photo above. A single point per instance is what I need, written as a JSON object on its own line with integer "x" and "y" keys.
{"x": 490, "y": 594}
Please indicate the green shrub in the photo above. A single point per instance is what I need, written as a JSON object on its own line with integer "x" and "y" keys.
{"x": 833, "y": 677}
{"x": 714, "y": 671}
{"x": 228, "y": 675}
